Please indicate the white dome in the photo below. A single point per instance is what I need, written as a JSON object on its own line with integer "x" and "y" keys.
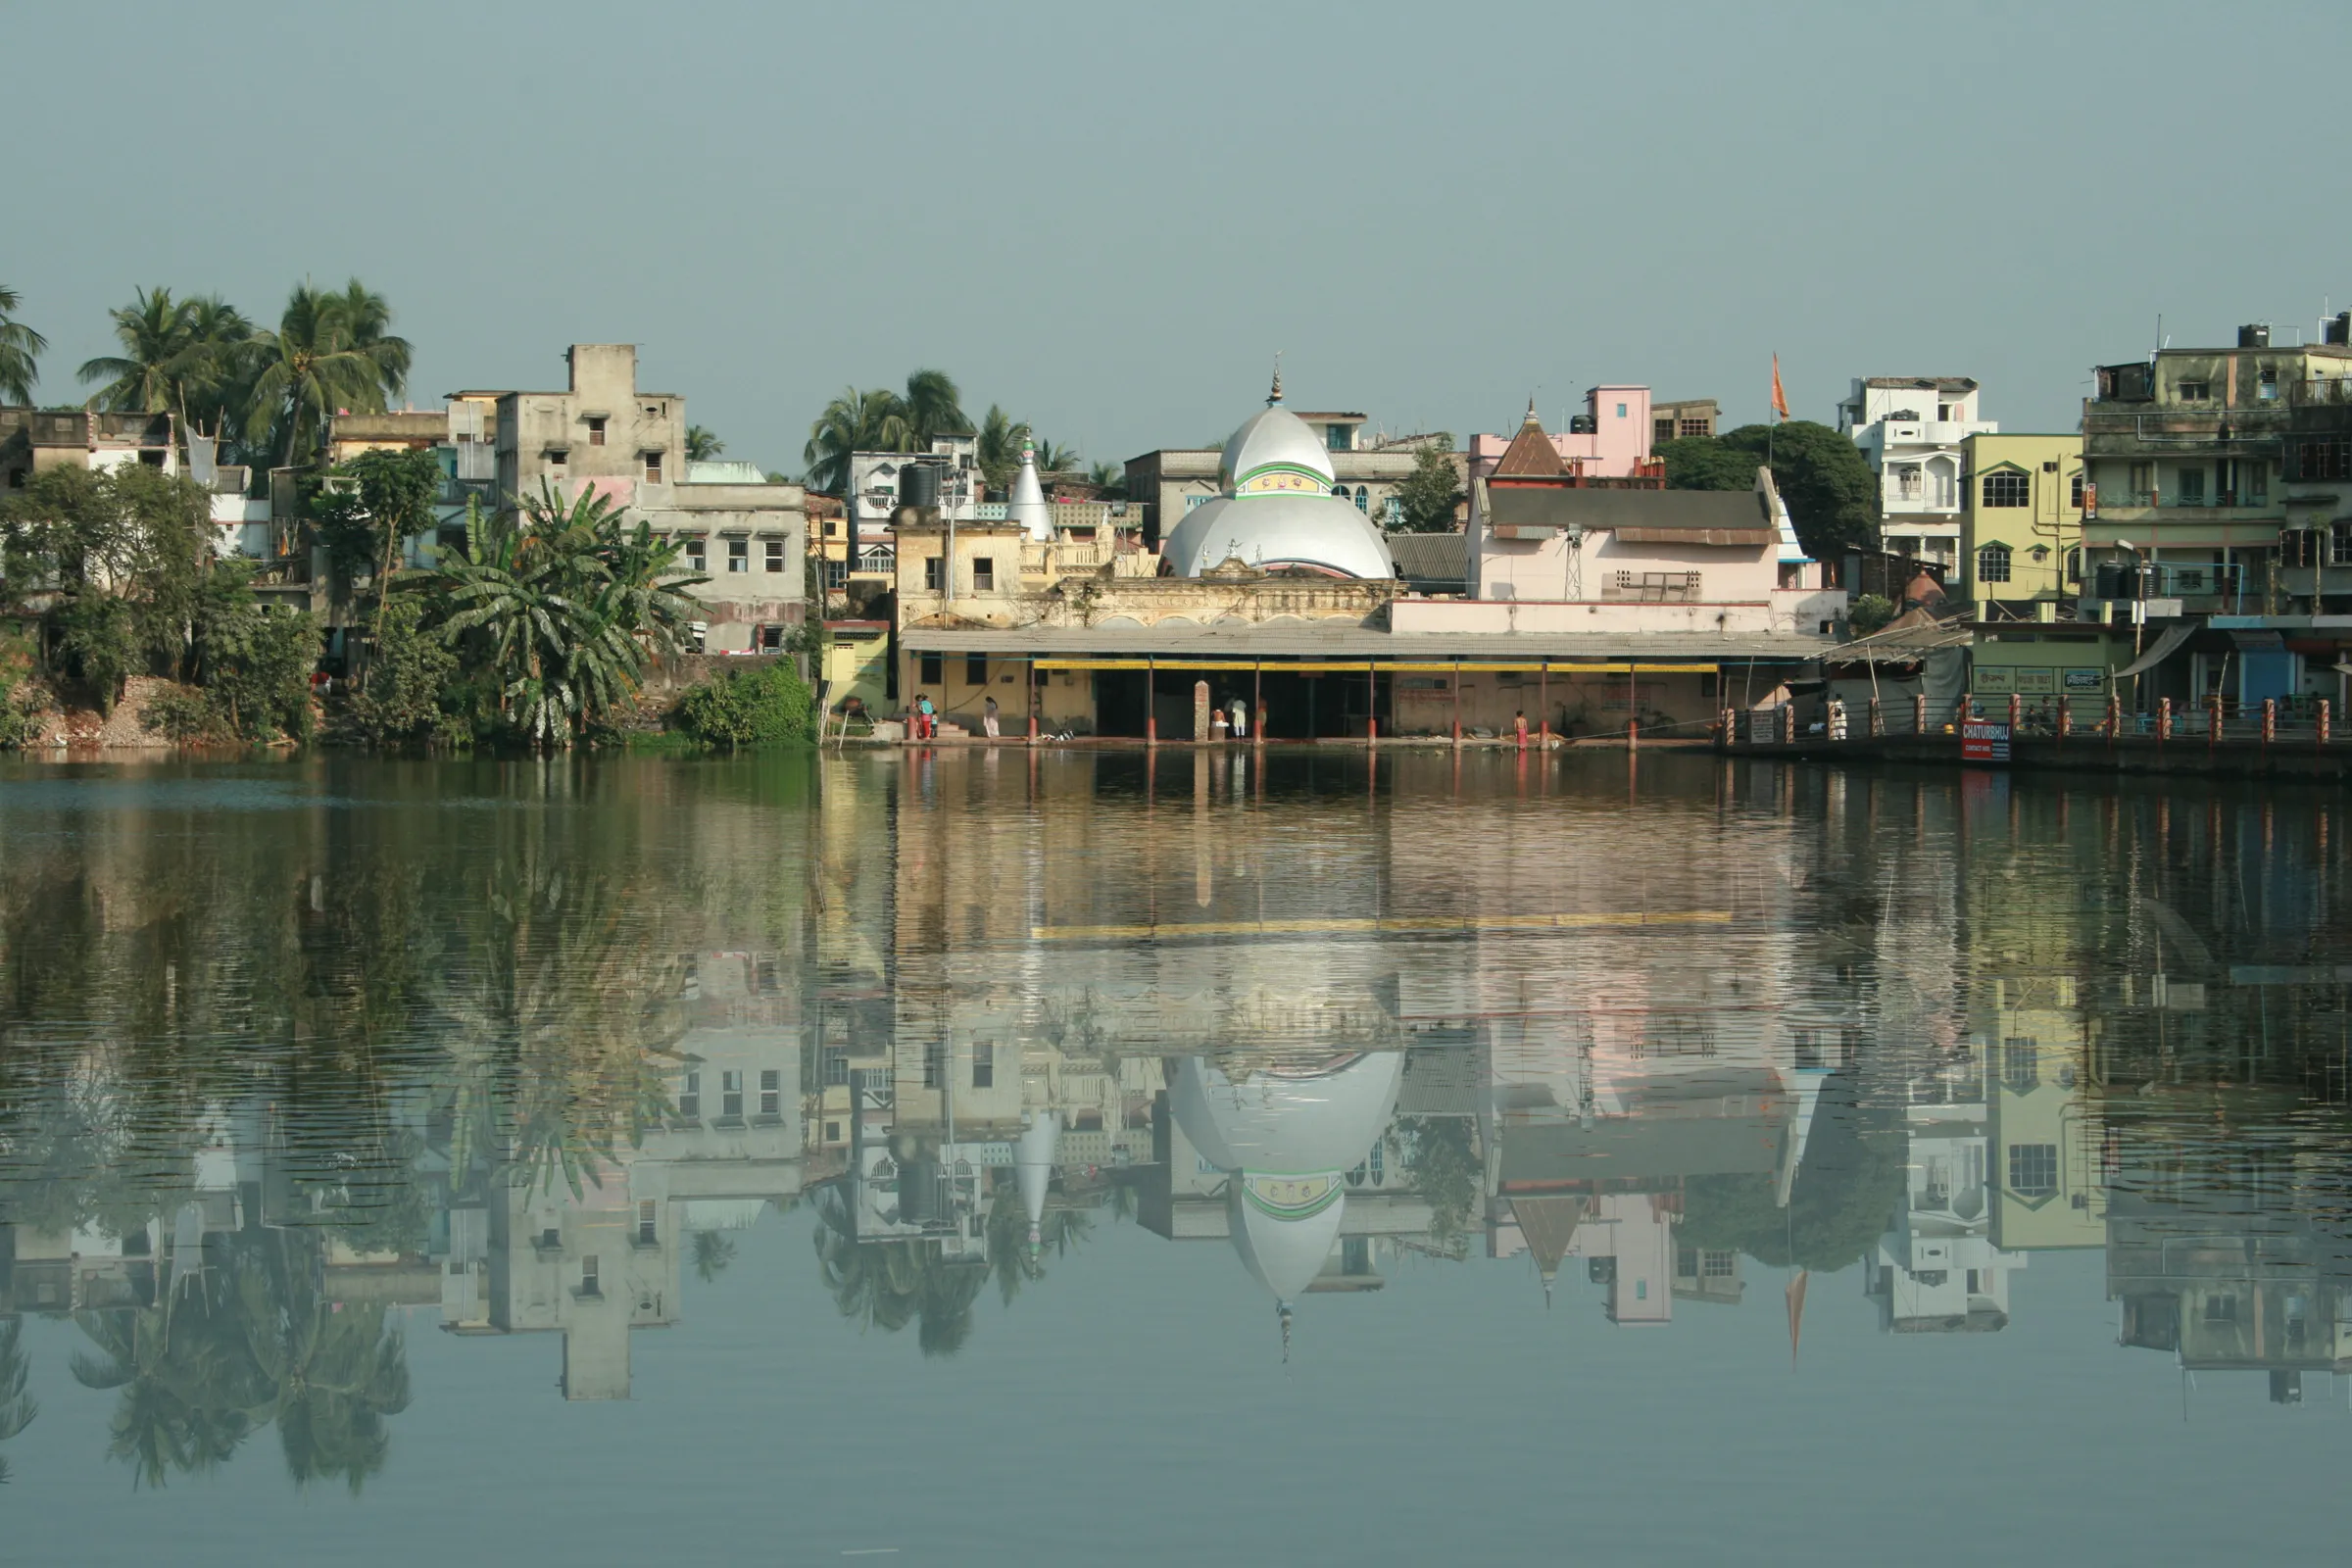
{"x": 1320, "y": 532}
{"x": 1283, "y": 1252}
{"x": 1274, "y": 450}
{"x": 1284, "y": 1123}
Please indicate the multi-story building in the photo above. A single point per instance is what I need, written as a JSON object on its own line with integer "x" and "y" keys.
{"x": 1609, "y": 440}
{"x": 747, "y": 535}
{"x": 1686, "y": 417}
{"x": 32, "y": 440}
{"x": 1911, "y": 430}
{"x": 2021, "y": 516}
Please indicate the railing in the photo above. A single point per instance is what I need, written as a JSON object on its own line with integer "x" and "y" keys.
{"x": 2298, "y": 721}
{"x": 2321, "y": 389}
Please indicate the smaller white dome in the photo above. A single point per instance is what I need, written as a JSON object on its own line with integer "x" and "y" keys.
{"x": 1274, "y": 452}
{"x": 1315, "y": 530}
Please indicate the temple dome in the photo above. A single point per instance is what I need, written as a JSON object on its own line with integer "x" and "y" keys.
{"x": 1274, "y": 452}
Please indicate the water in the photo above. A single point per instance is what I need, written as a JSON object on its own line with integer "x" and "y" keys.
{"x": 781, "y": 1160}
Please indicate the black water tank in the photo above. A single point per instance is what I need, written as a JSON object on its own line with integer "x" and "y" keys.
{"x": 2256, "y": 336}
{"x": 2339, "y": 331}
{"x": 1582, "y": 424}
{"x": 919, "y": 484}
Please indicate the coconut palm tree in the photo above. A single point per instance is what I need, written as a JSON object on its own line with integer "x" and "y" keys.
{"x": 702, "y": 445}
{"x": 328, "y": 352}
{"x": 154, "y": 333}
{"x": 854, "y": 421}
{"x": 21, "y": 349}
{"x": 934, "y": 408}
{"x": 187, "y": 1385}
{"x": 1001, "y": 438}
{"x": 331, "y": 1374}
{"x": 1108, "y": 478}
{"x": 1052, "y": 458}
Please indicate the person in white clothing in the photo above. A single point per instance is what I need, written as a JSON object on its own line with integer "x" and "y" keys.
{"x": 988, "y": 717}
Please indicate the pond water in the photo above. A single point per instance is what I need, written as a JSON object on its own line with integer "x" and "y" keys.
{"x": 1093, "y": 1157}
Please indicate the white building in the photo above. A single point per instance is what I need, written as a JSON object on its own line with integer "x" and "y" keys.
{"x": 1909, "y": 428}
{"x": 879, "y": 486}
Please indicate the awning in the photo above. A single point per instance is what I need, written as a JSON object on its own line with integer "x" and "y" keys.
{"x": 2257, "y": 640}
{"x": 2166, "y": 645}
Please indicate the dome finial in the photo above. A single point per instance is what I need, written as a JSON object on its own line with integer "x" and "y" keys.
{"x": 1531, "y": 409}
{"x": 1282, "y": 1311}
{"x": 1275, "y": 395}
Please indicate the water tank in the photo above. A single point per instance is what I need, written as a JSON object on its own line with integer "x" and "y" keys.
{"x": 2254, "y": 336}
{"x": 919, "y": 484}
{"x": 2340, "y": 328}
{"x": 1582, "y": 424}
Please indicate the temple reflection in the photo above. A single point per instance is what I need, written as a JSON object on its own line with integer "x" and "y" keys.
{"x": 953, "y": 1014}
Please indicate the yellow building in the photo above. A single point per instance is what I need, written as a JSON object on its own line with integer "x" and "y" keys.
{"x": 2021, "y": 517}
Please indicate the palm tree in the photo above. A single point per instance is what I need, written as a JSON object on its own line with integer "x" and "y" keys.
{"x": 934, "y": 408}
{"x": 702, "y": 445}
{"x": 1108, "y": 478}
{"x": 713, "y": 1253}
{"x": 1001, "y": 438}
{"x": 21, "y": 349}
{"x": 365, "y": 319}
{"x": 1052, "y": 458}
{"x": 318, "y": 361}
{"x": 17, "y": 1407}
{"x": 854, "y": 421}
{"x": 187, "y": 1383}
{"x": 153, "y": 331}
{"x": 219, "y": 358}
{"x": 331, "y": 1373}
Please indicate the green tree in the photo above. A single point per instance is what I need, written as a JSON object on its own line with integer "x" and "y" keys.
{"x": 401, "y": 695}
{"x": 364, "y": 510}
{"x": 154, "y": 334}
{"x": 124, "y": 549}
{"x": 1430, "y": 491}
{"x": 563, "y": 608}
{"x": 1001, "y": 438}
{"x": 332, "y": 1373}
{"x": 1109, "y": 478}
{"x": 21, "y": 349}
{"x": 329, "y": 351}
{"x": 702, "y": 445}
{"x": 1832, "y": 498}
{"x": 713, "y": 1251}
{"x": 1442, "y": 1163}
{"x": 254, "y": 659}
{"x": 934, "y": 407}
{"x": 765, "y": 706}
{"x": 875, "y": 421}
{"x": 1052, "y": 458}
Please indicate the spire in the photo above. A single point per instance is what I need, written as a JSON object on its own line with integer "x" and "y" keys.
{"x": 1274, "y": 397}
{"x": 1281, "y": 1311}
{"x": 1028, "y": 507}
{"x": 1531, "y": 454}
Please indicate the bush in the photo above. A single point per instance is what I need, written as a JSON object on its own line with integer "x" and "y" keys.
{"x": 400, "y": 701}
{"x": 765, "y": 706}
{"x": 1868, "y": 614}
{"x": 183, "y": 716}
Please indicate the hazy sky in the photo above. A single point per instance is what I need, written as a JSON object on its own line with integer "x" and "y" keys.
{"x": 1108, "y": 218}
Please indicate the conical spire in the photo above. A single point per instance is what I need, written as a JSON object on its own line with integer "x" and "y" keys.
{"x": 1028, "y": 507}
{"x": 1275, "y": 395}
{"x": 1531, "y": 454}
{"x": 1281, "y": 1311}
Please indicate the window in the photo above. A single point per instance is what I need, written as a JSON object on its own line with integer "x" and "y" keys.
{"x": 696, "y": 560}
{"x": 2074, "y": 492}
{"x": 1720, "y": 1264}
{"x": 1335, "y": 437}
{"x": 690, "y": 1098}
{"x": 2322, "y": 459}
{"x": 647, "y": 1232}
{"x": 773, "y": 549}
{"x": 2255, "y": 477}
{"x": 837, "y": 575}
{"x": 2143, "y": 483}
{"x": 588, "y": 1276}
{"x": 1943, "y": 411}
{"x": 2193, "y": 391}
{"x": 836, "y": 1066}
{"x": 984, "y": 574}
{"x": 2301, "y": 547}
{"x": 1993, "y": 564}
{"x": 730, "y": 1093}
{"x": 768, "y": 639}
{"x": 2266, "y": 385}
{"x": 2006, "y": 487}
{"x": 771, "y": 1093}
{"x": 2073, "y": 565}
{"x": 1696, "y": 427}
{"x": 832, "y": 1132}
{"x": 1363, "y": 499}
{"x": 1621, "y": 411}
{"x": 739, "y": 555}
{"x": 2193, "y": 487}
{"x": 1340, "y": 490}
{"x": 975, "y": 669}
{"x": 2220, "y": 1310}
{"x": 1906, "y": 481}
{"x": 653, "y": 467}
{"x": 935, "y": 1065}
{"x": 2033, "y": 1170}
{"x": 929, "y": 670}
{"x": 933, "y": 575}
{"x": 1391, "y": 512}
{"x": 596, "y": 430}
{"x": 1661, "y": 429}
{"x": 832, "y": 528}
{"x": 984, "y": 1065}
{"x": 2021, "y": 1063}
{"x": 152, "y": 457}
{"x": 556, "y": 457}
{"x": 2339, "y": 544}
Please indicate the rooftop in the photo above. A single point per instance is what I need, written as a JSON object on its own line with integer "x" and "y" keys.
{"x": 1924, "y": 383}
{"x": 1327, "y": 640}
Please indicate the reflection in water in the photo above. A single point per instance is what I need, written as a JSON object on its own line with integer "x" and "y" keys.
{"x": 298, "y": 1062}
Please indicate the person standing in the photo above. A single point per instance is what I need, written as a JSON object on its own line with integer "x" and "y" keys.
{"x": 988, "y": 716}
{"x": 1240, "y": 718}
{"x": 922, "y": 715}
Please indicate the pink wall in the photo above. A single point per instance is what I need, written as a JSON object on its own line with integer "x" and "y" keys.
{"x": 1610, "y": 452}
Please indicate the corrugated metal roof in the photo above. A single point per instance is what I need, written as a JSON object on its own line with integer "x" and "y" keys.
{"x": 1430, "y": 556}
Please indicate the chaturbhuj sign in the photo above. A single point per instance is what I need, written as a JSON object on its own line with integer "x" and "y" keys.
{"x": 1984, "y": 740}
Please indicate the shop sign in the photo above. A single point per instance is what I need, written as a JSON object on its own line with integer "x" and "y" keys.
{"x": 1984, "y": 740}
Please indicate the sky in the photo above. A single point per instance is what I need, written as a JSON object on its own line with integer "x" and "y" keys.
{"x": 1108, "y": 218}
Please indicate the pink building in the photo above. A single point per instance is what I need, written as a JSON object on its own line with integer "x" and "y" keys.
{"x": 1609, "y": 440}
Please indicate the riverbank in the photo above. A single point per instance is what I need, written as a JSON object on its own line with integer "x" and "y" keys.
{"x": 2301, "y": 756}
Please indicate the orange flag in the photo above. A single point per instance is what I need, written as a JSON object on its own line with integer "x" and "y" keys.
{"x": 1780, "y": 399}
